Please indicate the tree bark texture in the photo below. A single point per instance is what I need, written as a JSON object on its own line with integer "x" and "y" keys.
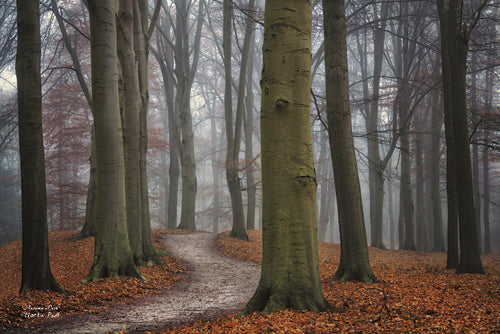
{"x": 112, "y": 254}
{"x": 290, "y": 273}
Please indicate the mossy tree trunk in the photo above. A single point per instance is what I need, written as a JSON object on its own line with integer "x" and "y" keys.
{"x": 354, "y": 262}
{"x": 112, "y": 254}
{"x": 290, "y": 273}
{"x": 36, "y": 272}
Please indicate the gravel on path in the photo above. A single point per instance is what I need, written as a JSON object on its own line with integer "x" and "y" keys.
{"x": 217, "y": 286}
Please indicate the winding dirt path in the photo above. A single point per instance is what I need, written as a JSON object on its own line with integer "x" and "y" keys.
{"x": 218, "y": 286}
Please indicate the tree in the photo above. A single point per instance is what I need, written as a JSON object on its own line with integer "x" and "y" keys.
{"x": 454, "y": 35}
{"x": 184, "y": 73}
{"x": 234, "y": 133}
{"x": 36, "y": 272}
{"x": 129, "y": 109}
{"x": 112, "y": 255}
{"x": 142, "y": 36}
{"x": 290, "y": 273}
{"x": 354, "y": 262}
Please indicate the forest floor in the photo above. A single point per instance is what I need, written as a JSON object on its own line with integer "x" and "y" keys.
{"x": 415, "y": 293}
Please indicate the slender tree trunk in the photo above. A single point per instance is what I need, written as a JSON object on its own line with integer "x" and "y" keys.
{"x": 290, "y": 273}
{"x": 215, "y": 172}
{"x": 475, "y": 151}
{"x": 164, "y": 57}
{"x": 323, "y": 172}
{"x": 392, "y": 228}
{"x": 129, "y": 105}
{"x": 437, "y": 218}
{"x": 486, "y": 199}
{"x": 142, "y": 35}
{"x": 112, "y": 254}
{"x": 233, "y": 132}
{"x": 376, "y": 173}
{"x": 249, "y": 128}
{"x": 36, "y": 272}
{"x": 354, "y": 262}
{"x": 184, "y": 73}
{"x": 420, "y": 219}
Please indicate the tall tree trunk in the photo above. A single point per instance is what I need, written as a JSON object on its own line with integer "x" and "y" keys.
{"x": 233, "y": 130}
{"x": 392, "y": 228}
{"x": 437, "y": 218}
{"x": 36, "y": 272}
{"x": 457, "y": 45}
{"x": 142, "y": 35}
{"x": 475, "y": 151}
{"x": 354, "y": 262}
{"x": 164, "y": 56}
{"x": 290, "y": 273}
{"x": 486, "y": 199}
{"x": 377, "y": 166}
{"x": 215, "y": 171}
{"x": 112, "y": 254}
{"x": 129, "y": 105}
{"x": 184, "y": 72}
{"x": 88, "y": 229}
{"x": 324, "y": 170}
{"x": 451, "y": 183}
{"x": 249, "y": 128}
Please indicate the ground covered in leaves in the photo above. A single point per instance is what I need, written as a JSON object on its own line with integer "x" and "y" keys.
{"x": 415, "y": 295}
{"x": 71, "y": 262}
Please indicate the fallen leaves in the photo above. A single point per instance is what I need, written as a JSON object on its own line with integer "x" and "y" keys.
{"x": 416, "y": 294}
{"x": 70, "y": 263}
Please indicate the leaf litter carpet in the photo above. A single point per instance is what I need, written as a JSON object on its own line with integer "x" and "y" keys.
{"x": 416, "y": 294}
{"x": 217, "y": 285}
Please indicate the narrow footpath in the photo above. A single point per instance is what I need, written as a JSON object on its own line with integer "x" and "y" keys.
{"x": 217, "y": 286}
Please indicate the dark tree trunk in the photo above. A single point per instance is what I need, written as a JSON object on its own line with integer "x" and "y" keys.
{"x": 354, "y": 262}
{"x": 456, "y": 42}
{"x": 36, "y": 272}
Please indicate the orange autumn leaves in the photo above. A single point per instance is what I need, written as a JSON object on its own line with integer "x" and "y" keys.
{"x": 416, "y": 294}
{"x": 70, "y": 262}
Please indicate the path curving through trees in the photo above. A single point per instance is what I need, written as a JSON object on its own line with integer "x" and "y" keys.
{"x": 218, "y": 285}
